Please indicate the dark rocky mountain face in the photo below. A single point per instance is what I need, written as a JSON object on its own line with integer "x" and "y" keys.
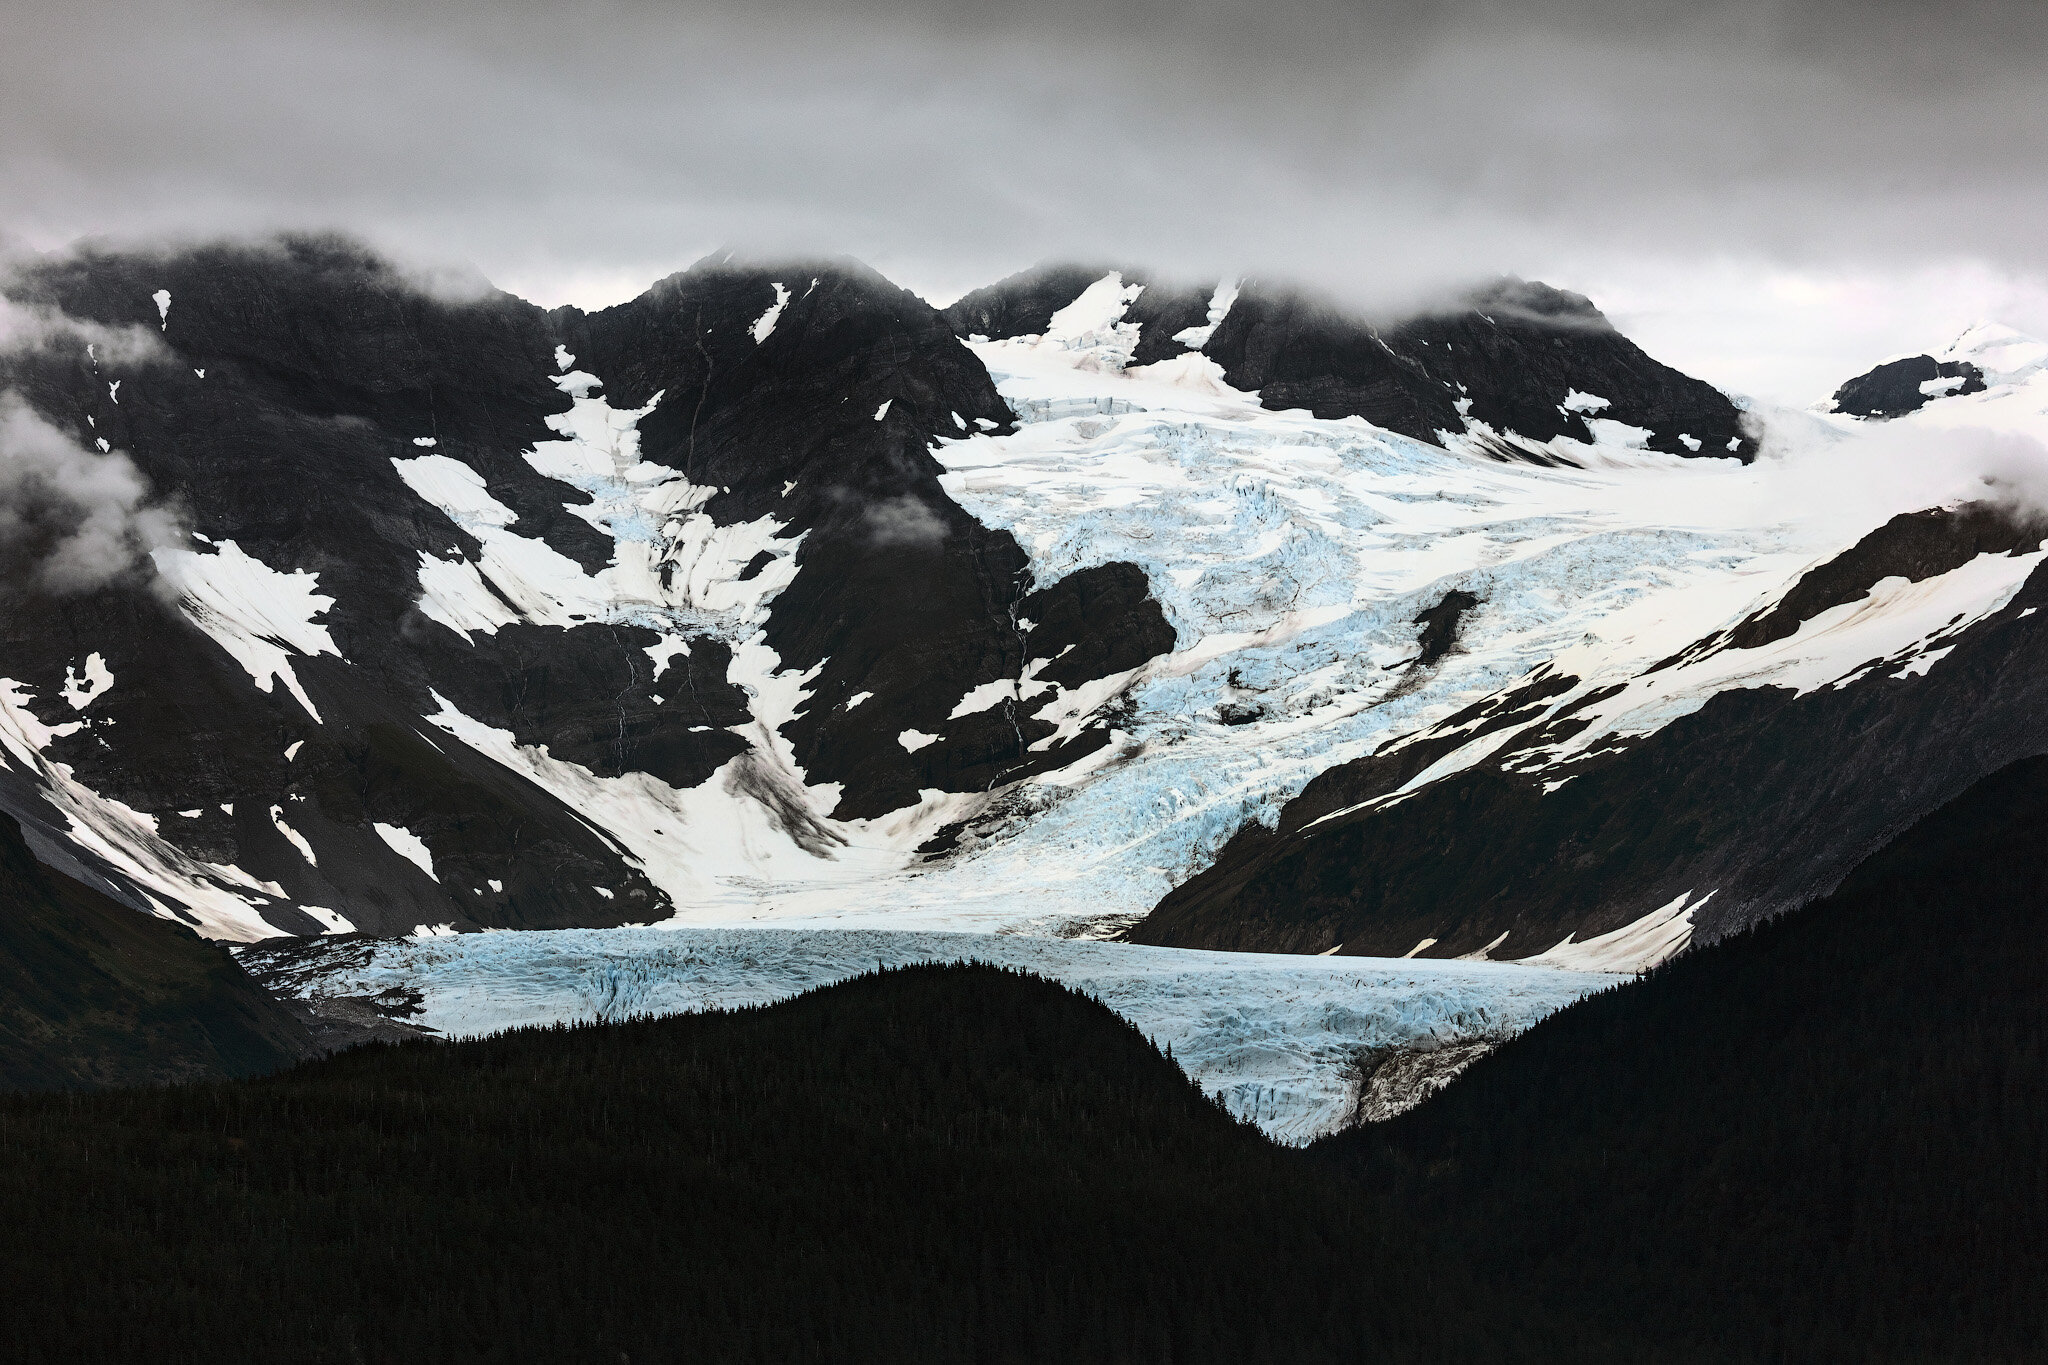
{"x": 1523, "y": 359}
{"x": 275, "y": 660}
{"x": 826, "y": 424}
{"x": 1898, "y": 387}
{"x": 1023, "y": 305}
{"x": 1760, "y": 799}
{"x": 93, "y": 994}
{"x": 289, "y": 380}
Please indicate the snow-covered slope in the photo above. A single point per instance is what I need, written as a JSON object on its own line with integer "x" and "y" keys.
{"x": 604, "y": 615}
{"x": 1508, "y": 367}
{"x": 1785, "y": 718}
{"x": 1989, "y": 377}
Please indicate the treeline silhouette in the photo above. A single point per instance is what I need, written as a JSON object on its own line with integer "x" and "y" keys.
{"x": 1825, "y": 1139}
{"x": 936, "y": 1163}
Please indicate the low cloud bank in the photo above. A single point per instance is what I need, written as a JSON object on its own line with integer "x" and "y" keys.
{"x": 1812, "y": 465}
{"x": 71, "y": 519}
{"x": 38, "y": 327}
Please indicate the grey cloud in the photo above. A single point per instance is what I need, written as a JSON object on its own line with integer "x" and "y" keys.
{"x": 2014, "y": 470}
{"x": 905, "y": 520}
{"x": 36, "y": 327}
{"x": 72, "y": 519}
{"x": 1378, "y": 150}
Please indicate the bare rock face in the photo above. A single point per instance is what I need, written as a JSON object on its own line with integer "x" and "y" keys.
{"x": 1898, "y": 387}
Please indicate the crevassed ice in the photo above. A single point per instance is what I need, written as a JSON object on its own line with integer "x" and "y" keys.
{"x": 1278, "y": 1037}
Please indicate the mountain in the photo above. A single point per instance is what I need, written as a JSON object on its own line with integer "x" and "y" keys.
{"x": 1514, "y": 364}
{"x": 358, "y": 601}
{"x": 362, "y": 601}
{"x": 1830, "y": 710}
{"x": 1877, "y": 686}
{"x": 457, "y": 644}
{"x": 1819, "y": 1139}
{"x": 93, "y": 994}
{"x": 1990, "y": 376}
{"x": 934, "y": 1163}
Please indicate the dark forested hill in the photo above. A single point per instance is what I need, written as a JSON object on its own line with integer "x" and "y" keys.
{"x": 1822, "y": 1139}
{"x": 932, "y": 1164}
{"x": 93, "y": 994}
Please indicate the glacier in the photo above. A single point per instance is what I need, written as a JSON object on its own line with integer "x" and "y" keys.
{"x": 1278, "y": 1038}
{"x": 1291, "y": 554}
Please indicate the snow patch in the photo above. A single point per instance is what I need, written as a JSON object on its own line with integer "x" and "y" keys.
{"x": 663, "y": 651}
{"x": 1092, "y": 326}
{"x": 408, "y": 846}
{"x": 990, "y": 694}
{"x": 1656, "y": 937}
{"x": 331, "y": 921}
{"x": 1220, "y": 302}
{"x": 765, "y": 324}
{"x": 297, "y": 840}
{"x": 259, "y": 615}
{"x": 83, "y": 687}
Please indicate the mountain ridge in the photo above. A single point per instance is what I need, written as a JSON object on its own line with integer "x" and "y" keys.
{"x": 766, "y": 595}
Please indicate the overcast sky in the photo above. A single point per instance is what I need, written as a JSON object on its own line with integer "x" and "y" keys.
{"x": 1772, "y": 195}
